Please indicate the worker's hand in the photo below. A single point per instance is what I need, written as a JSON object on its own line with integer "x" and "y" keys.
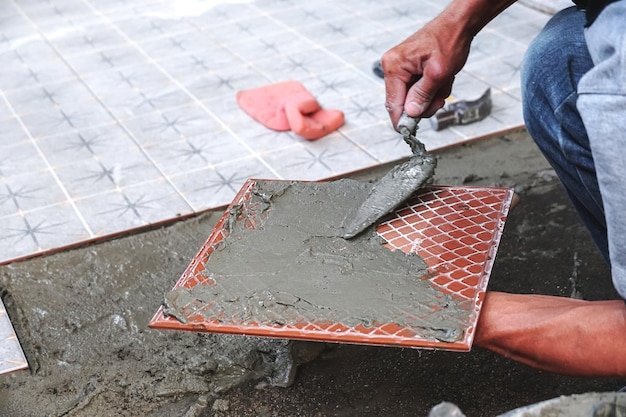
{"x": 437, "y": 52}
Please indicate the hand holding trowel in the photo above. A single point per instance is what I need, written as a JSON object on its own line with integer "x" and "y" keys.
{"x": 398, "y": 184}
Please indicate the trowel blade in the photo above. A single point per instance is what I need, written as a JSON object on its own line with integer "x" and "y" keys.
{"x": 390, "y": 191}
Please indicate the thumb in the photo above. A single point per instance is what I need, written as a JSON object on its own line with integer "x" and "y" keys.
{"x": 419, "y": 97}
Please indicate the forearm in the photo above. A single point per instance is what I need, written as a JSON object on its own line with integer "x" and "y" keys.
{"x": 556, "y": 334}
{"x": 470, "y": 16}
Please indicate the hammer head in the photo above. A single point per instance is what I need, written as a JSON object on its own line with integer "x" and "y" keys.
{"x": 462, "y": 112}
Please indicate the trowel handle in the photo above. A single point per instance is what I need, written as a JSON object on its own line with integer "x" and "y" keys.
{"x": 408, "y": 124}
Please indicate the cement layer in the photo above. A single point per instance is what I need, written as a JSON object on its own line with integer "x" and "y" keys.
{"x": 81, "y": 317}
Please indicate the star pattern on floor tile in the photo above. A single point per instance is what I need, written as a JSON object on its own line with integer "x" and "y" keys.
{"x": 245, "y": 28}
{"x": 369, "y": 46}
{"x": 156, "y": 27}
{"x": 103, "y": 173}
{"x": 311, "y": 14}
{"x": 362, "y": 108}
{"x": 66, "y": 118}
{"x": 269, "y": 46}
{"x": 336, "y": 86}
{"x": 126, "y": 79}
{"x": 82, "y": 142}
{"x": 232, "y": 181}
{"x": 271, "y": 136}
{"x": 198, "y": 62}
{"x": 296, "y": 64}
{"x": 33, "y": 75}
{"x": 145, "y": 102}
{"x": 48, "y": 95}
{"x": 224, "y": 81}
{"x": 129, "y": 205}
{"x": 192, "y": 151}
{"x": 177, "y": 44}
{"x": 4, "y": 40}
{"x": 401, "y": 12}
{"x": 22, "y": 192}
{"x": 31, "y": 231}
{"x": 58, "y": 11}
{"x": 19, "y": 57}
{"x": 170, "y": 124}
{"x": 310, "y": 159}
{"x": 105, "y": 59}
{"x": 89, "y": 40}
{"x": 337, "y": 29}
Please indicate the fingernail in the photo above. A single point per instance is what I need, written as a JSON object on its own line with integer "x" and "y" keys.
{"x": 414, "y": 109}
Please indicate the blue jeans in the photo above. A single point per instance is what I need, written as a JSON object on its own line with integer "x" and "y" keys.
{"x": 575, "y": 109}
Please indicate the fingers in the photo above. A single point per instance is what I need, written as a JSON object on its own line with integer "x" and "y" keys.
{"x": 415, "y": 82}
{"x": 397, "y": 80}
{"x": 394, "y": 102}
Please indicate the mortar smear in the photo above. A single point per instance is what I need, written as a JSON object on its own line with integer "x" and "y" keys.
{"x": 295, "y": 267}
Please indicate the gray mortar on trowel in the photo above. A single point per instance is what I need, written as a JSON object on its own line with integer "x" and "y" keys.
{"x": 295, "y": 266}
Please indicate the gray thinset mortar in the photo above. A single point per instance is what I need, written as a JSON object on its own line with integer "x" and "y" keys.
{"x": 295, "y": 267}
{"x": 595, "y": 404}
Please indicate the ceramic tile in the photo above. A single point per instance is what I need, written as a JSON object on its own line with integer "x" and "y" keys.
{"x": 402, "y": 14}
{"x": 117, "y": 58}
{"x": 49, "y": 97}
{"x": 42, "y": 230}
{"x": 456, "y": 230}
{"x": 385, "y": 146}
{"x": 141, "y": 27}
{"x": 131, "y": 207}
{"x": 18, "y": 156}
{"x": 196, "y": 152}
{"x": 324, "y": 160}
{"x": 11, "y": 355}
{"x": 89, "y": 177}
{"x": 366, "y": 48}
{"x": 214, "y": 186}
{"x": 87, "y": 39}
{"x": 32, "y": 190}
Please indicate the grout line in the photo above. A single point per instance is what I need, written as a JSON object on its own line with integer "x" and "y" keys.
{"x": 69, "y": 198}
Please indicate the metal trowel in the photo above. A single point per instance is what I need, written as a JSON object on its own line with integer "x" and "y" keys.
{"x": 397, "y": 185}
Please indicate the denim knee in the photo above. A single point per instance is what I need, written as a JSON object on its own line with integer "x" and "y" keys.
{"x": 554, "y": 63}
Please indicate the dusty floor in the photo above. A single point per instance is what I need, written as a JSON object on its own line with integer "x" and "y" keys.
{"x": 81, "y": 316}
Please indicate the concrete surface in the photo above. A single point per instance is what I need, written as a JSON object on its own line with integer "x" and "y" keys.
{"x": 81, "y": 316}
